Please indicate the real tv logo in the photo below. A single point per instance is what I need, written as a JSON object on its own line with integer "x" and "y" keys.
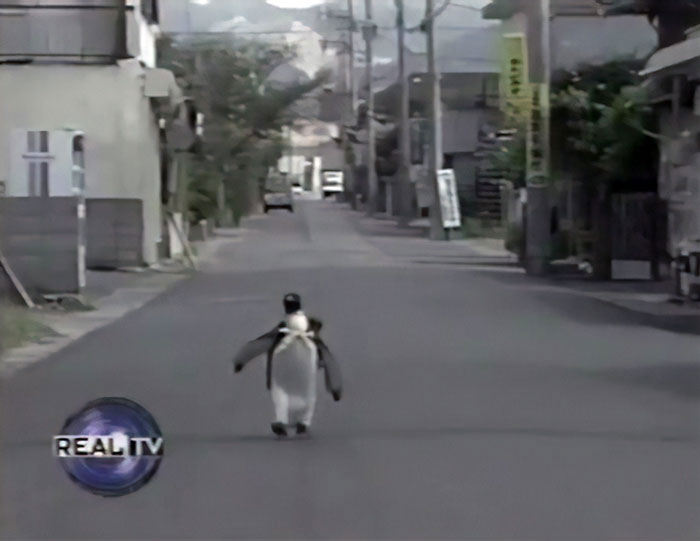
{"x": 112, "y": 446}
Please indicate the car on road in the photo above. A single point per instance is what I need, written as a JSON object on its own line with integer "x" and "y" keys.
{"x": 297, "y": 189}
{"x": 332, "y": 183}
{"x": 278, "y": 195}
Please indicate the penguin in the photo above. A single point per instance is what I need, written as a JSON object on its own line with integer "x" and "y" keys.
{"x": 295, "y": 353}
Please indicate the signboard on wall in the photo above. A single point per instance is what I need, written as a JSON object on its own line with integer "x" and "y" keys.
{"x": 449, "y": 200}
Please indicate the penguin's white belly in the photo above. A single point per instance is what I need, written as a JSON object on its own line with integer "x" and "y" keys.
{"x": 294, "y": 366}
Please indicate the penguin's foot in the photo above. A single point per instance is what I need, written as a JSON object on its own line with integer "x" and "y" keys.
{"x": 302, "y": 428}
{"x": 279, "y": 429}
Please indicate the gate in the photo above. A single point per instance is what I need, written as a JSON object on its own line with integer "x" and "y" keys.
{"x": 638, "y": 233}
{"x": 41, "y": 240}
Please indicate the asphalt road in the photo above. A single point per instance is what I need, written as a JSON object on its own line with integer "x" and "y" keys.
{"x": 477, "y": 405}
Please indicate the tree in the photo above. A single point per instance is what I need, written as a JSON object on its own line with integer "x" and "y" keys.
{"x": 245, "y": 114}
{"x": 605, "y": 139}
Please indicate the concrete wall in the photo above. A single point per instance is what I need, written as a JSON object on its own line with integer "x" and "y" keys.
{"x": 679, "y": 177}
{"x": 108, "y": 105}
{"x": 114, "y": 233}
{"x": 141, "y": 35}
{"x": 39, "y": 238}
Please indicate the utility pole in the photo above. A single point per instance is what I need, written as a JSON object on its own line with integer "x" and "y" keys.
{"x": 538, "y": 148}
{"x": 350, "y": 164}
{"x": 404, "y": 184}
{"x": 369, "y": 31}
{"x": 351, "y": 51}
{"x": 437, "y": 232}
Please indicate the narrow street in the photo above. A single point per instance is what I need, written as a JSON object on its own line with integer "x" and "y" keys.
{"x": 476, "y": 405}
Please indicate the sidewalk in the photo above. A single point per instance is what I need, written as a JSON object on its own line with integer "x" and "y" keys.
{"x": 647, "y": 298}
{"x": 111, "y": 295}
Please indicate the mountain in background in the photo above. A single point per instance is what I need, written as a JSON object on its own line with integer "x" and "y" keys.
{"x": 256, "y": 15}
{"x": 464, "y": 42}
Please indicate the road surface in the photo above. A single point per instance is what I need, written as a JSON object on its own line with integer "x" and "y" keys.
{"x": 478, "y": 403}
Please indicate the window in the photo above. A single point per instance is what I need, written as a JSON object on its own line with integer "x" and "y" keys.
{"x": 38, "y": 160}
{"x": 78, "y": 165}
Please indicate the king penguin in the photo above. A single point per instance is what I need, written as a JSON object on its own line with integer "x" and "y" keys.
{"x": 295, "y": 353}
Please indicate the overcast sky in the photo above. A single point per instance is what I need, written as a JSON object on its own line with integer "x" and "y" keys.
{"x": 299, "y": 4}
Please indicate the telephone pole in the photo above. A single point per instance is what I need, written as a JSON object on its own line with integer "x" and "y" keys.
{"x": 350, "y": 185}
{"x": 437, "y": 232}
{"x": 351, "y": 52}
{"x": 369, "y": 31}
{"x": 538, "y": 147}
{"x": 404, "y": 184}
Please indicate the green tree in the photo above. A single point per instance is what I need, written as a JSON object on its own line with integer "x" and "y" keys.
{"x": 245, "y": 114}
{"x": 604, "y": 137}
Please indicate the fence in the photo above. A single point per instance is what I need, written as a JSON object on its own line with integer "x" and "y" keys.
{"x": 114, "y": 233}
{"x": 40, "y": 238}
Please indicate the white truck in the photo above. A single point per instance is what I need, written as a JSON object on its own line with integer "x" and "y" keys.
{"x": 332, "y": 183}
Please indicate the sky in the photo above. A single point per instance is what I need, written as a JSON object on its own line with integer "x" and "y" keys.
{"x": 287, "y": 4}
{"x": 298, "y": 4}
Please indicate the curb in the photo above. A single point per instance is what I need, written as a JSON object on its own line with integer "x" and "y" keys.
{"x": 75, "y": 325}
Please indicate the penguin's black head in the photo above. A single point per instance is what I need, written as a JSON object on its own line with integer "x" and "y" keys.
{"x": 292, "y": 303}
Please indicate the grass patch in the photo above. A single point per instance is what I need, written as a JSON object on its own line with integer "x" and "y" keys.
{"x": 20, "y": 326}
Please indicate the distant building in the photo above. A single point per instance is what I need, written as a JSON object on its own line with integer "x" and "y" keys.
{"x": 469, "y": 80}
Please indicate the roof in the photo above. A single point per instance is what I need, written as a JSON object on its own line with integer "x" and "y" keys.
{"x": 597, "y": 40}
{"x": 505, "y": 9}
{"x": 673, "y": 56}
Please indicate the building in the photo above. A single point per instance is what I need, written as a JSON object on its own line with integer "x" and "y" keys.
{"x": 469, "y": 79}
{"x": 672, "y": 79}
{"x": 580, "y": 36}
{"x": 87, "y": 70}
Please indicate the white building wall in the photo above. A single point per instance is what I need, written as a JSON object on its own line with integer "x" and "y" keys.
{"x": 141, "y": 36}
{"x": 108, "y": 105}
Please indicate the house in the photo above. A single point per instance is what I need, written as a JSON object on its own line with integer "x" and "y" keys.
{"x": 672, "y": 80}
{"x": 579, "y": 36}
{"x": 79, "y": 83}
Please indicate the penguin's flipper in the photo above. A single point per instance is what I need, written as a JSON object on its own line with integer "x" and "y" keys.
{"x": 256, "y": 348}
{"x": 331, "y": 370}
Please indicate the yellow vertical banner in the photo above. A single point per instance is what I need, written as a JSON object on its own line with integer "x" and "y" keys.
{"x": 538, "y": 135}
{"x": 515, "y": 87}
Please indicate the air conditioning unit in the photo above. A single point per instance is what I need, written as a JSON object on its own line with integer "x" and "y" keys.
{"x": 46, "y": 163}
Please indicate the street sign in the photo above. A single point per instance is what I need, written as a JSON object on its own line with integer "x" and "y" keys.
{"x": 449, "y": 200}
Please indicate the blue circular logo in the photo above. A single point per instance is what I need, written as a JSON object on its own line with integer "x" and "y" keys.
{"x": 111, "y": 447}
